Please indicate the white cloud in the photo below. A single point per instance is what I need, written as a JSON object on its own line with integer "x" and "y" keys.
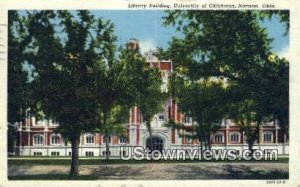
{"x": 146, "y": 45}
{"x": 284, "y": 53}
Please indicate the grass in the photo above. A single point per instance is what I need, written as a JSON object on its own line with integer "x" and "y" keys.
{"x": 236, "y": 176}
{"x": 95, "y": 161}
{"x": 53, "y": 177}
{"x": 277, "y": 174}
{"x": 182, "y": 172}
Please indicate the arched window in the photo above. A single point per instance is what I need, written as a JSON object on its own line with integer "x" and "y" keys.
{"x": 89, "y": 139}
{"x": 38, "y": 139}
{"x": 161, "y": 117}
{"x": 268, "y": 136}
{"x": 55, "y": 139}
{"x": 235, "y": 137}
{"x": 104, "y": 139}
{"x": 219, "y": 138}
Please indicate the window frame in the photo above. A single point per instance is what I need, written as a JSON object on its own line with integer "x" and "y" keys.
{"x": 103, "y": 140}
{"x": 123, "y": 138}
{"x": 219, "y": 135}
{"x": 37, "y": 153}
{"x": 89, "y": 154}
{"x": 35, "y": 138}
{"x": 104, "y": 153}
{"x": 238, "y": 137}
{"x": 187, "y": 119}
{"x": 271, "y": 136}
{"x": 54, "y": 153}
{"x": 161, "y": 115}
{"x": 89, "y": 139}
{"x": 58, "y": 140}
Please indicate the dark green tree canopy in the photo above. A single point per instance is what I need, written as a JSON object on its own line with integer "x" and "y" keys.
{"x": 231, "y": 46}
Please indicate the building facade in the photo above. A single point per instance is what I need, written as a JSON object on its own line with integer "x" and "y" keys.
{"x": 38, "y": 138}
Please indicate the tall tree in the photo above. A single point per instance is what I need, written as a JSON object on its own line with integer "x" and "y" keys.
{"x": 203, "y": 101}
{"x": 230, "y": 45}
{"x": 151, "y": 97}
{"x": 65, "y": 49}
{"x": 123, "y": 83}
{"x": 18, "y": 82}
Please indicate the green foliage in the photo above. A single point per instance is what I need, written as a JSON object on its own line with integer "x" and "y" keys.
{"x": 18, "y": 86}
{"x": 203, "y": 100}
{"x": 230, "y": 46}
{"x": 151, "y": 98}
{"x": 77, "y": 78}
{"x": 63, "y": 69}
{"x": 65, "y": 50}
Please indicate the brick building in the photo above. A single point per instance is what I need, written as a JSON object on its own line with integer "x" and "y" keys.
{"x": 37, "y": 138}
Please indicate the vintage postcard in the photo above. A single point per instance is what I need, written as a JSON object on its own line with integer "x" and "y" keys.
{"x": 147, "y": 93}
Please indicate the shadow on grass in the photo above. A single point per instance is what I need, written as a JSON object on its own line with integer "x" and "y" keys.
{"x": 102, "y": 172}
{"x": 49, "y": 161}
{"x": 119, "y": 172}
{"x": 246, "y": 172}
{"x": 52, "y": 177}
{"x": 229, "y": 172}
{"x": 205, "y": 174}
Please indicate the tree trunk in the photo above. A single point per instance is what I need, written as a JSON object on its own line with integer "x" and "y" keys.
{"x": 75, "y": 162}
{"x": 209, "y": 141}
{"x": 148, "y": 124}
{"x": 107, "y": 135}
{"x": 202, "y": 139}
{"x": 250, "y": 146}
{"x": 202, "y": 147}
{"x": 107, "y": 145}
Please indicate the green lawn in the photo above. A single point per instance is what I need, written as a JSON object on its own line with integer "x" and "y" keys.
{"x": 100, "y": 169}
{"x": 95, "y": 161}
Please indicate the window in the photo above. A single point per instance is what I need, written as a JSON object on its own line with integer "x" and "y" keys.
{"x": 268, "y": 136}
{"x": 104, "y": 153}
{"x": 55, "y": 153}
{"x": 188, "y": 139}
{"x": 187, "y": 119}
{"x": 55, "y": 139}
{"x": 37, "y": 154}
{"x": 235, "y": 137}
{"x": 104, "y": 139}
{"x": 70, "y": 153}
{"x": 161, "y": 117}
{"x": 89, "y": 139}
{"x": 89, "y": 153}
{"x": 38, "y": 139}
{"x": 219, "y": 138}
{"x": 122, "y": 140}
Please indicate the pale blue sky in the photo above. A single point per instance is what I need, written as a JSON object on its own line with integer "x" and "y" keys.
{"x": 146, "y": 26}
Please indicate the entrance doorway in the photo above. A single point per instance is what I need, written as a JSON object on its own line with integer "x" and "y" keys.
{"x": 154, "y": 143}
